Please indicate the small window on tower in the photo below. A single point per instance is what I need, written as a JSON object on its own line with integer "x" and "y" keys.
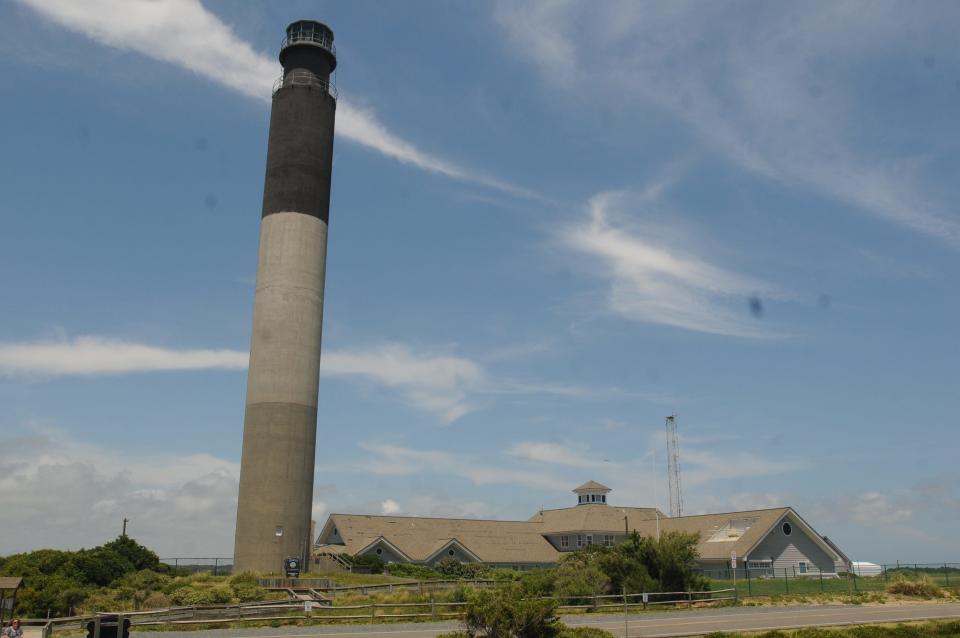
{"x": 278, "y": 531}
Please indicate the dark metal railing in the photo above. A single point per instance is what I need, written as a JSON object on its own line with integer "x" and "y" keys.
{"x": 305, "y": 78}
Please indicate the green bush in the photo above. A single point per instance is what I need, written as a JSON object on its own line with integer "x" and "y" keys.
{"x": 408, "y": 570}
{"x": 452, "y": 568}
{"x": 190, "y": 596}
{"x": 507, "y": 613}
{"x": 374, "y": 562}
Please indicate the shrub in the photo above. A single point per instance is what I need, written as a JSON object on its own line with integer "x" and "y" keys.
{"x": 407, "y": 570}
{"x": 196, "y": 596}
{"x": 155, "y": 600}
{"x": 249, "y": 593}
{"x": 922, "y": 587}
{"x": 374, "y": 562}
{"x": 452, "y": 568}
{"x": 505, "y": 613}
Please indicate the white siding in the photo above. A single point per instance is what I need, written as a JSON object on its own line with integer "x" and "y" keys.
{"x": 787, "y": 552}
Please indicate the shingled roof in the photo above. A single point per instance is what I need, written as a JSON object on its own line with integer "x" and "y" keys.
{"x": 418, "y": 538}
{"x": 593, "y": 517}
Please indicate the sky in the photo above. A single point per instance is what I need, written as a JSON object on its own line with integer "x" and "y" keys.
{"x": 552, "y": 225}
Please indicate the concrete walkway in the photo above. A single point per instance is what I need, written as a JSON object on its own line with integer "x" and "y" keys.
{"x": 650, "y": 625}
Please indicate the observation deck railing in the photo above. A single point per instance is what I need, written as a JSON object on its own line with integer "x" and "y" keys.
{"x": 305, "y": 78}
{"x": 310, "y": 35}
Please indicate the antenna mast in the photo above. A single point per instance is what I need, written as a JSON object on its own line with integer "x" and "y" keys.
{"x": 673, "y": 467}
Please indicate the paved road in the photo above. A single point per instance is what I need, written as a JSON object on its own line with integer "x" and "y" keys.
{"x": 652, "y": 625}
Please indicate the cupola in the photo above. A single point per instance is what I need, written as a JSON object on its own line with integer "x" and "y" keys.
{"x": 591, "y": 492}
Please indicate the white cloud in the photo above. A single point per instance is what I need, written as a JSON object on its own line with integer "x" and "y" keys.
{"x": 186, "y": 34}
{"x": 871, "y": 508}
{"x": 704, "y": 466}
{"x": 434, "y": 383}
{"x": 655, "y": 279}
{"x": 769, "y": 87}
{"x": 398, "y": 460}
{"x": 389, "y": 506}
{"x": 442, "y": 385}
{"x": 555, "y": 453}
{"x": 98, "y": 355}
{"x": 69, "y": 494}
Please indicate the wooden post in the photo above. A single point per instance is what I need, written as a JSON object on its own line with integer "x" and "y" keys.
{"x": 626, "y": 628}
{"x": 690, "y": 599}
{"x": 433, "y": 608}
{"x": 373, "y": 612}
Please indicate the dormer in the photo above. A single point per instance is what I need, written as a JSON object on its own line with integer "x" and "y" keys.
{"x": 591, "y": 492}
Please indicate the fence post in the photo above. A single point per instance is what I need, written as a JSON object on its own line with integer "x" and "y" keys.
{"x": 786, "y": 581}
{"x": 626, "y": 628}
{"x": 749, "y": 586}
{"x": 373, "y": 612}
{"x": 690, "y": 599}
{"x": 821, "y": 581}
{"x": 946, "y": 574}
{"x": 433, "y": 608}
{"x": 855, "y": 588}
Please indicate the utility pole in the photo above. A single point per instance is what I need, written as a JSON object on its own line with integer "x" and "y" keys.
{"x": 124, "y": 532}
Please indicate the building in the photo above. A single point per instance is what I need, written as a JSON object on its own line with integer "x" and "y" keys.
{"x": 762, "y": 540}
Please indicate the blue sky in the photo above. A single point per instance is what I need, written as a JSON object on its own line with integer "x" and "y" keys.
{"x": 552, "y": 224}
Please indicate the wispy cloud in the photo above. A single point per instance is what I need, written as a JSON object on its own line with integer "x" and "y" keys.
{"x": 443, "y": 385}
{"x": 655, "y": 279}
{"x": 435, "y": 383}
{"x": 553, "y": 453}
{"x": 90, "y": 355}
{"x": 186, "y": 34}
{"x": 397, "y": 460}
{"x": 771, "y": 87}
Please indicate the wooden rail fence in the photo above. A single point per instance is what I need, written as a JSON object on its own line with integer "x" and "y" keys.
{"x": 372, "y": 612}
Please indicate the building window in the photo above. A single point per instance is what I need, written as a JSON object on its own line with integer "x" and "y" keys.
{"x": 603, "y": 498}
{"x": 278, "y": 531}
{"x": 379, "y": 551}
{"x": 564, "y": 541}
{"x": 802, "y": 567}
{"x": 589, "y": 539}
{"x": 579, "y": 540}
{"x": 449, "y": 552}
{"x": 759, "y": 564}
{"x": 786, "y": 528}
{"x": 608, "y": 540}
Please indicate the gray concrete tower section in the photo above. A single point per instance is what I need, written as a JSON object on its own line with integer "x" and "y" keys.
{"x": 280, "y": 422}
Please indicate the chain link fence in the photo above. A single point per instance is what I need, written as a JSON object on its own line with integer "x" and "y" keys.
{"x": 777, "y": 581}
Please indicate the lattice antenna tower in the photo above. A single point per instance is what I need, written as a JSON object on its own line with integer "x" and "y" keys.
{"x": 673, "y": 467}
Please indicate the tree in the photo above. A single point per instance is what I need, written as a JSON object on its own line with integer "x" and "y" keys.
{"x": 138, "y": 555}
